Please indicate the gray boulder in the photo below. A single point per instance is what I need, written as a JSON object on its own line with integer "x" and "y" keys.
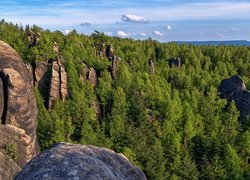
{"x": 234, "y": 88}
{"x": 72, "y": 161}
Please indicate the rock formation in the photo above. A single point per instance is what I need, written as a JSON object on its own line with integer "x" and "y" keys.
{"x": 115, "y": 62}
{"x": 33, "y": 38}
{"x": 110, "y": 52}
{"x": 68, "y": 161}
{"x": 42, "y": 78}
{"x": 235, "y": 89}
{"x": 92, "y": 77}
{"x": 151, "y": 66}
{"x": 18, "y": 113}
{"x": 83, "y": 73}
{"x": 58, "y": 84}
{"x": 176, "y": 62}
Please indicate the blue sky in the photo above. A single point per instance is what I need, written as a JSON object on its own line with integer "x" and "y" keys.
{"x": 165, "y": 20}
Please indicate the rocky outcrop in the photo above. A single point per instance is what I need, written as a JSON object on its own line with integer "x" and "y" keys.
{"x": 151, "y": 66}
{"x": 175, "y": 62}
{"x": 83, "y": 73}
{"x": 92, "y": 77}
{"x": 110, "y": 52}
{"x": 51, "y": 80}
{"x": 235, "y": 89}
{"x": 58, "y": 84}
{"x": 42, "y": 77}
{"x": 18, "y": 112}
{"x": 115, "y": 62}
{"x": 68, "y": 161}
{"x": 8, "y": 167}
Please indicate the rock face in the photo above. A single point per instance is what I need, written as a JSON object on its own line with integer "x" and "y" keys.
{"x": 176, "y": 62}
{"x": 42, "y": 78}
{"x": 115, "y": 63}
{"x": 68, "y": 161}
{"x": 92, "y": 77}
{"x": 110, "y": 52}
{"x": 151, "y": 66}
{"x": 58, "y": 84}
{"x": 235, "y": 89}
{"x": 18, "y": 113}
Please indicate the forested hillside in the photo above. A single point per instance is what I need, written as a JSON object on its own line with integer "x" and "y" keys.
{"x": 168, "y": 120}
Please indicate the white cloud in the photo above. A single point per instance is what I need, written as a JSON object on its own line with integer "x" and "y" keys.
{"x": 108, "y": 33}
{"x": 122, "y": 34}
{"x": 169, "y": 27}
{"x": 157, "y": 33}
{"x": 133, "y": 18}
{"x": 235, "y": 29}
{"x": 143, "y": 34}
{"x": 67, "y": 31}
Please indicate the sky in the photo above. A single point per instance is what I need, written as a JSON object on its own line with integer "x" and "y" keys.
{"x": 164, "y": 20}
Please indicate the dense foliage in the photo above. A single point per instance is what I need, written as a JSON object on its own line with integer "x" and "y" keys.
{"x": 172, "y": 124}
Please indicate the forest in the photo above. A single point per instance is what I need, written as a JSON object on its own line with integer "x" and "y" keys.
{"x": 171, "y": 123}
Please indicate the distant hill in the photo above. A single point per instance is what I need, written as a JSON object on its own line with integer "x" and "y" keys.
{"x": 217, "y": 43}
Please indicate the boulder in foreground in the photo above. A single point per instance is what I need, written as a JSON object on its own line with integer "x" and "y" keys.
{"x": 72, "y": 161}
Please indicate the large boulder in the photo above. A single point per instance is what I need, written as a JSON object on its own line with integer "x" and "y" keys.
{"x": 18, "y": 112}
{"x": 69, "y": 161}
{"x": 234, "y": 88}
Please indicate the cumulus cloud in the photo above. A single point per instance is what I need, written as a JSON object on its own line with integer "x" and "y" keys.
{"x": 133, "y": 18}
{"x": 169, "y": 27}
{"x": 122, "y": 34}
{"x": 143, "y": 34}
{"x": 157, "y": 33}
{"x": 108, "y": 33}
{"x": 66, "y": 32}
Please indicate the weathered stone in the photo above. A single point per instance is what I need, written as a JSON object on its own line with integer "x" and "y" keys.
{"x": 176, "y": 62}
{"x": 92, "y": 77}
{"x": 83, "y": 73}
{"x": 1, "y": 99}
{"x": 68, "y": 161}
{"x": 42, "y": 78}
{"x": 64, "y": 84}
{"x": 58, "y": 84}
{"x": 110, "y": 52}
{"x": 151, "y": 66}
{"x": 235, "y": 89}
{"x": 18, "y": 113}
{"x": 115, "y": 62}
{"x": 8, "y": 167}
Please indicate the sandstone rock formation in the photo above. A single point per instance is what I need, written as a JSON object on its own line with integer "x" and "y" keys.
{"x": 33, "y": 38}
{"x": 58, "y": 84}
{"x": 175, "y": 62}
{"x": 18, "y": 113}
{"x": 115, "y": 62}
{"x": 235, "y": 89}
{"x": 151, "y": 66}
{"x": 92, "y": 77}
{"x": 42, "y": 78}
{"x": 68, "y": 161}
{"x": 83, "y": 73}
{"x": 110, "y": 52}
